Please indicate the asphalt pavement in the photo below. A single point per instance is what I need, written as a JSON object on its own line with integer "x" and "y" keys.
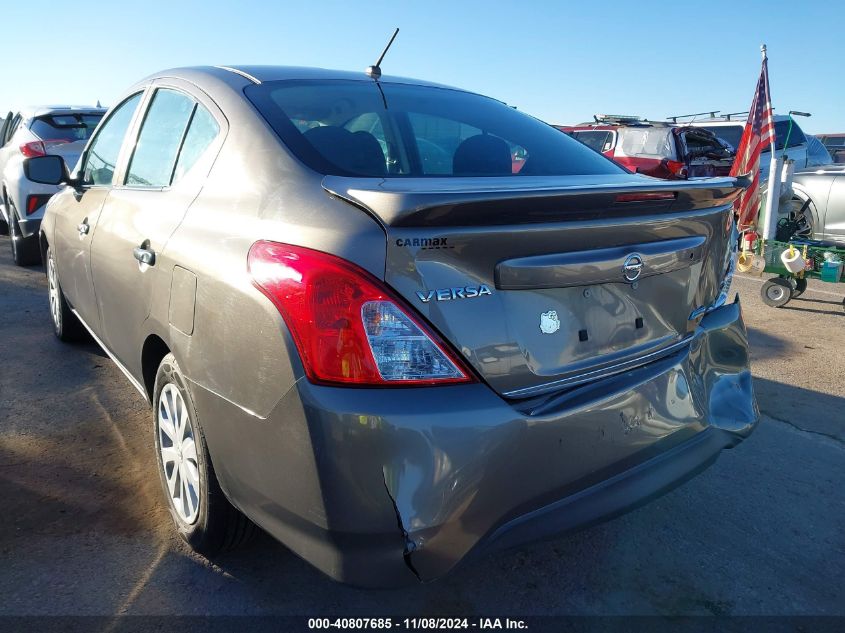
{"x": 84, "y": 528}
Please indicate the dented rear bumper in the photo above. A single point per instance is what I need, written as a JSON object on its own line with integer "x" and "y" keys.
{"x": 388, "y": 487}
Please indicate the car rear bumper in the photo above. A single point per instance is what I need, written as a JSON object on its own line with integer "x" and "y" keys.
{"x": 387, "y": 487}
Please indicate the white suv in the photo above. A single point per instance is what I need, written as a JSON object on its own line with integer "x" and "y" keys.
{"x": 37, "y": 131}
{"x": 730, "y": 131}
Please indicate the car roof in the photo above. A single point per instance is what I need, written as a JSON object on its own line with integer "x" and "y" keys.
{"x": 258, "y": 74}
{"x": 720, "y": 121}
{"x": 835, "y": 168}
{"x": 29, "y": 112}
{"x": 587, "y": 127}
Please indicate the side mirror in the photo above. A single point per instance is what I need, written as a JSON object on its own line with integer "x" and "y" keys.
{"x": 46, "y": 170}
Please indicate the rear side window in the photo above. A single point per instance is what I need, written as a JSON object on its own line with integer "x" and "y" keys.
{"x": 65, "y": 127}
{"x": 102, "y": 154}
{"x": 201, "y": 134}
{"x": 364, "y": 128}
{"x": 731, "y": 134}
{"x": 161, "y": 136}
{"x": 12, "y": 128}
{"x": 654, "y": 142}
{"x": 796, "y": 136}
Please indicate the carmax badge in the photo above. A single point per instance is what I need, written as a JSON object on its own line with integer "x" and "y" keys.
{"x": 632, "y": 268}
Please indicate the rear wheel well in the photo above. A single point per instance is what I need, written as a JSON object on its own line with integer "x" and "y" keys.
{"x": 154, "y": 350}
{"x": 43, "y": 244}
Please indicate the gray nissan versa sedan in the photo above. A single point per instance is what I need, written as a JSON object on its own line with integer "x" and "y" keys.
{"x": 365, "y": 327}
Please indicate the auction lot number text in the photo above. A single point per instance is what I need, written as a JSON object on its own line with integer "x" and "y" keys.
{"x": 427, "y": 624}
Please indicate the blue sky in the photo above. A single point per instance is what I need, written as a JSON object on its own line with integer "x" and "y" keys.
{"x": 560, "y": 61}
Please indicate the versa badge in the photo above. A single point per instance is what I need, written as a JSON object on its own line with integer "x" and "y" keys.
{"x": 447, "y": 294}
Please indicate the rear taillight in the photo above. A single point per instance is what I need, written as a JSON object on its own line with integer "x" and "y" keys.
{"x": 33, "y": 203}
{"x": 348, "y": 327}
{"x": 676, "y": 168}
{"x": 33, "y": 149}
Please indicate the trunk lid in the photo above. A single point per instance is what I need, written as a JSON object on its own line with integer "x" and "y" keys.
{"x": 548, "y": 282}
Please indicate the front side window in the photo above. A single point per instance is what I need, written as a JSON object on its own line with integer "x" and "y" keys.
{"x": 364, "y": 128}
{"x": 101, "y": 156}
{"x": 154, "y": 158}
{"x": 599, "y": 140}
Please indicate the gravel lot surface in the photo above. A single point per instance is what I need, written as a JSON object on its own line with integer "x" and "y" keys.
{"x": 84, "y": 529}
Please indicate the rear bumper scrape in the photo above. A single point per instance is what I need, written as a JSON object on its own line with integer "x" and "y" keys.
{"x": 410, "y": 545}
{"x": 454, "y": 471}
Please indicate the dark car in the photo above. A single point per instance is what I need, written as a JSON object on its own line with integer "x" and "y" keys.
{"x": 360, "y": 329}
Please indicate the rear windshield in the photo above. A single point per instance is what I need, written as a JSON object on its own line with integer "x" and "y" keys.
{"x": 364, "y": 128}
{"x": 65, "y": 127}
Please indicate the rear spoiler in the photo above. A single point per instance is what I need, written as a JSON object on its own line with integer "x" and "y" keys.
{"x": 527, "y": 199}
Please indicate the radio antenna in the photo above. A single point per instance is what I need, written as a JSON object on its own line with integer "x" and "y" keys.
{"x": 374, "y": 71}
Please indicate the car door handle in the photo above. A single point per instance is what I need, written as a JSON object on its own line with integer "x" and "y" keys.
{"x": 83, "y": 228}
{"x": 144, "y": 256}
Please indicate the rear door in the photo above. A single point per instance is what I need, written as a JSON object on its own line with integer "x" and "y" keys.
{"x": 4, "y": 128}
{"x": 142, "y": 212}
{"x": 835, "y": 216}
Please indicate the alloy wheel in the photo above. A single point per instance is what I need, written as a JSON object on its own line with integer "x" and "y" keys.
{"x": 14, "y": 236}
{"x": 53, "y": 286}
{"x": 775, "y": 292}
{"x": 178, "y": 449}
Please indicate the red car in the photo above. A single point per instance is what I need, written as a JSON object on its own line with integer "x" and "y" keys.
{"x": 662, "y": 150}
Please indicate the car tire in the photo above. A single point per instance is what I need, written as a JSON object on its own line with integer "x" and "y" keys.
{"x": 800, "y": 287}
{"x": 776, "y": 292}
{"x": 202, "y": 514}
{"x": 66, "y": 325}
{"x": 800, "y": 222}
{"x": 25, "y": 250}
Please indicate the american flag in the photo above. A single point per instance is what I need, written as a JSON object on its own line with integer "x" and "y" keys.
{"x": 758, "y": 133}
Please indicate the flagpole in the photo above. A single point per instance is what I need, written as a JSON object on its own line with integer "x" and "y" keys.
{"x": 770, "y": 211}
